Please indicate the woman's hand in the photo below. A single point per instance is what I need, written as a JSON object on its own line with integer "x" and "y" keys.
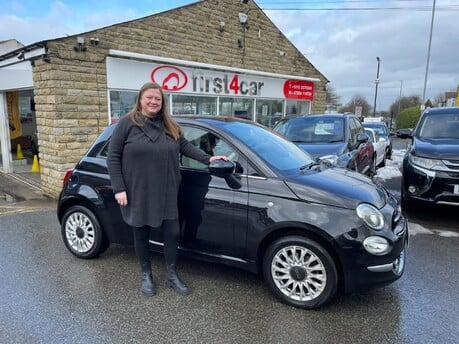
{"x": 218, "y": 157}
{"x": 121, "y": 198}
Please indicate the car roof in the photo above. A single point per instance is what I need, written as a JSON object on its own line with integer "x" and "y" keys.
{"x": 442, "y": 110}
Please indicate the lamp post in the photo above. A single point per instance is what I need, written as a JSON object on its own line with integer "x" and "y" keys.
{"x": 376, "y": 85}
{"x": 428, "y": 55}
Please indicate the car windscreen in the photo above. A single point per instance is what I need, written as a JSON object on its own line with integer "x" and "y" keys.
{"x": 381, "y": 129}
{"x": 439, "y": 126}
{"x": 275, "y": 151}
{"x": 312, "y": 129}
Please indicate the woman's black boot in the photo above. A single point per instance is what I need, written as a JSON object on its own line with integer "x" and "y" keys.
{"x": 147, "y": 286}
{"x": 174, "y": 282}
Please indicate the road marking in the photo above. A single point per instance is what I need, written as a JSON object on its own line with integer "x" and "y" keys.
{"x": 15, "y": 209}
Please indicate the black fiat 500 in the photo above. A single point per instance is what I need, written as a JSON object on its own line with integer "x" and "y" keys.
{"x": 312, "y": 230}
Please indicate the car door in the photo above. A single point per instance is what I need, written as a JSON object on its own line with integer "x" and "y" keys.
{"x": 363, "y": 151}
{"x": 213, "y": 216}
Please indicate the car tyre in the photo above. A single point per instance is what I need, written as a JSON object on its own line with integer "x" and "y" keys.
{"x": 82, "y": 233}
{"x": 372, "y": 169}
{"x": 383, "y": 162}
{"x": 300, "y": 272}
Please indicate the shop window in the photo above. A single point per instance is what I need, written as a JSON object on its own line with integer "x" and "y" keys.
{"x": 268, "y": 111}
{"x": 237, "y": 107}
{"x": 297, "y": 107}
{"x": 121, "y": 102}
{"x": 193, "y": 105}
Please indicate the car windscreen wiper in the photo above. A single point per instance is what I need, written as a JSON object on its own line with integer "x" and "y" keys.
{"x": 309, "y": 166}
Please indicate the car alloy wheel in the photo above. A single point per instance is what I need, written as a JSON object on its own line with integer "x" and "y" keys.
{"x": 300, "y": 272}
{"x": 82, "y": 233}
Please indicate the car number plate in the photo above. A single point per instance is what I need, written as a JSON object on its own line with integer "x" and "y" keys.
{"x": 456, "y": 189}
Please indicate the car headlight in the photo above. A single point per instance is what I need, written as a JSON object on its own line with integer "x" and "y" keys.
{"x": 371, "y": 216}
{"x": 429, "y": 164}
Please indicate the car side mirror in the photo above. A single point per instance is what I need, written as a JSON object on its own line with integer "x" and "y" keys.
{"x": 221, "y": 168}
{"x": 361, "y": 138}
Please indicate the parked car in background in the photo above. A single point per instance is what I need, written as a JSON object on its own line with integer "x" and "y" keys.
{"x": 430, "y": 171}
{"x": 340, "y": 136}
{"x": 404, "y": 133}
{"x": 379, "y": 145}
{"x": 383, "y": 131}
{"x": 312, "y": 230}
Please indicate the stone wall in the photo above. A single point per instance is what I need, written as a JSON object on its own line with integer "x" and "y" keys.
{"x": 71, "y": 92}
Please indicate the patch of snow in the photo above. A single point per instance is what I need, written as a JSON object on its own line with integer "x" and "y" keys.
{"x": 393, "y": 166}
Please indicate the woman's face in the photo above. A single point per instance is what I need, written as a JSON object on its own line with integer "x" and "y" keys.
{"x": 151, "y": 102}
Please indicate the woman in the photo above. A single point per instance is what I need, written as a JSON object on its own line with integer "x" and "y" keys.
{"x": 143, "y": 163}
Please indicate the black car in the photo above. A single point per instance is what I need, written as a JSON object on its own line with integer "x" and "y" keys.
{"x": 311, "y": 229}
{"x": 340, "y": 136}
{"x": 431, "y": 165}
{"x": 404, "y": 133}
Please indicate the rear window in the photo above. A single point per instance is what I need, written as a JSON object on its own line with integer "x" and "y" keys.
{"x": 313, "y": 130}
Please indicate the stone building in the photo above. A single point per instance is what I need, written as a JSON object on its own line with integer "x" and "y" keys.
{"x": 217, "y": 57}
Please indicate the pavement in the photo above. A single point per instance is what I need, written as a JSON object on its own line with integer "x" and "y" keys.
{"x": 23, "y": 184}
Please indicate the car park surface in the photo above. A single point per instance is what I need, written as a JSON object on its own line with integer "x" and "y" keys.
{"x": 310, "y": 229}
{"x": 431, "y": 164}
{"x": 340, "y": 136}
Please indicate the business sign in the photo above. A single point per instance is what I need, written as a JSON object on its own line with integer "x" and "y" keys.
{"x": 130, "y": 74}
{"x": 299, "y": 89}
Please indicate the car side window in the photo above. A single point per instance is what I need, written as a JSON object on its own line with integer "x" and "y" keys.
{"x": 353, "y": 132}
{"x": 104, "y": 152}
{"x": 208, "y": 142}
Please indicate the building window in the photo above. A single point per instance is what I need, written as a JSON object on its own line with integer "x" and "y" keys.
{"x": 237, "y": 107}
{"x": 193, "y": 105}
{"x": 121, "y": 102}
{"x": 297, "y": 107}
{"x": 269, "y": 111}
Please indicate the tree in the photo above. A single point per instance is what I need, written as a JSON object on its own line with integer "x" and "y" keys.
{"x": 332, "y": 98}
{"x": 357, "y": 100}
{"x": 409, "y": 117}
{"x": 440, "y": 100}
{"x": 404, "y": 103}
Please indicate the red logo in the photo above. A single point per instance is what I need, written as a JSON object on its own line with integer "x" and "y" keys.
{"x": 299, "y": 89}
{"x": 170, "y": 78}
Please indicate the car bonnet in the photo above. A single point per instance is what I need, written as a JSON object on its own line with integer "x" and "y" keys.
{"x": 337, "y": 187}
{"x": 437, "y": 148}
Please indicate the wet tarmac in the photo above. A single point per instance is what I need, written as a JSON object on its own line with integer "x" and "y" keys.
{"x": 49, "y": 296}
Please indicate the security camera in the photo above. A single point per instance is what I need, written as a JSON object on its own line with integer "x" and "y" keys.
{"x": 243, "y": 18}
{"x": 244, "y": 1}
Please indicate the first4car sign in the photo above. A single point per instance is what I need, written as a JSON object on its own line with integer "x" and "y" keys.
{"x": 127, "y": 74}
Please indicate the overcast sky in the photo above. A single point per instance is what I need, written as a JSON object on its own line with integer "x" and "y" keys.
{"x": 341, "y": 38}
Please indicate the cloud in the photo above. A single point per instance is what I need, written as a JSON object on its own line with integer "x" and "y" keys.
{"x": 343, "y": 45}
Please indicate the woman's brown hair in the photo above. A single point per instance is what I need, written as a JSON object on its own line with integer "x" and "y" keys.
{"x": 172, "y": 126}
